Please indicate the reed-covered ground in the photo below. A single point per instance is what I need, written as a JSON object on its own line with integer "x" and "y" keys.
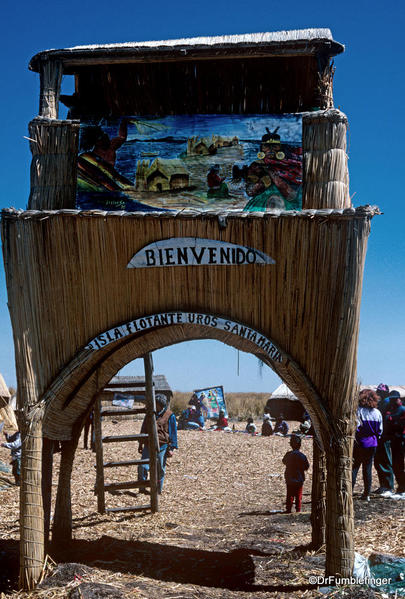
{"x": 220, "y": 532}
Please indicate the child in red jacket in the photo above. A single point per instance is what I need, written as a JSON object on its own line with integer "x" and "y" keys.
{"x": 296, "y": 464}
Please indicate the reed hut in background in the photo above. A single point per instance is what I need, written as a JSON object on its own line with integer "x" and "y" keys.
{"x": 6, "y": 411}
{"x": 298, "y": 313}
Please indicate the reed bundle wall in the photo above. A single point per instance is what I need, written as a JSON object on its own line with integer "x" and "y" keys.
{"x": 307, "y": 303}
{"x": 326, "y": 174}
{"x": 54, "y": 147}
{"x": 65, "y": 256}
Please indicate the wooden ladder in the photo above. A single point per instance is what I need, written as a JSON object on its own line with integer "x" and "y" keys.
{"x": 152, "y": 484}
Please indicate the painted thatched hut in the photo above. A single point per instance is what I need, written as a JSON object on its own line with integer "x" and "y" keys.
{"x": 294, "y": 304}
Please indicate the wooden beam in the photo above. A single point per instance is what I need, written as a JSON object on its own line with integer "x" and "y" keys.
{"x": 121, "y": 438}
{"x": 50, "y": 84}
{"x": 153, "y": 438}
{"x": 99, "y": 458}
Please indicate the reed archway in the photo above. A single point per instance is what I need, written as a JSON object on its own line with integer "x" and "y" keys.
{"x": 307, "y": 302}
{"x": 70, "y": 394}
{"x": 64, "y": 412}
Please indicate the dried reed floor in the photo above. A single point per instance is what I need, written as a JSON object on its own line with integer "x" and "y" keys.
{"x": 219, "y": 532}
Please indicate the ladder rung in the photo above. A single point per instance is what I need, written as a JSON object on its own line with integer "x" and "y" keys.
{"x": 131, "y": 484}
{"x": 130, "y": 412}
{"x": 120, "y": 438}
{"x": 137, "y": 508}
{"x": 126, "y": 463}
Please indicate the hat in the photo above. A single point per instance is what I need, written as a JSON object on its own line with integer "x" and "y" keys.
{"x": 394, "y": 395}
{"x": 161, "y": 399}
{"x": 383, "y": 387}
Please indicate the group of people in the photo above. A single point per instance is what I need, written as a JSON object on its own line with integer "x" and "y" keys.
{"x": 380, "y": 438}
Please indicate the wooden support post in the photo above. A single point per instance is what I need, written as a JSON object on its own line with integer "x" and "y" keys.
{"x": 318, "y": 496}
{"x": 31, "y": 508}
{"x": 47, "y": 467}
{"x": 50, "y": 83}
{"x": 99, "y": 457}
{"x": 151, "y": 427}
{"x": 62, "y": 521}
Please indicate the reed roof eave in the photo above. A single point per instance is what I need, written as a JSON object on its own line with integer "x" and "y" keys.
{"x": 304, "y": 42}
{"x": 324, "y": 213}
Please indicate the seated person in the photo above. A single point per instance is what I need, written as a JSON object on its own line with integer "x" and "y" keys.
{"x": 191, "y": 419}
{"x": 267, "y": 426}
{"x": 222, "y": 422}
{"x": 250, "y": 427}
{"x": 281, "y": 427}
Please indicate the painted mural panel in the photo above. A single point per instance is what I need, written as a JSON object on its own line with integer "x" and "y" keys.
{"x": 212, "y": 400}
{"x": 205, "y": 162}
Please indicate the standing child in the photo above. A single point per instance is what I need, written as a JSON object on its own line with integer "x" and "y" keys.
{"x": 13, "y": 443}
{"x": 296, "y": 464}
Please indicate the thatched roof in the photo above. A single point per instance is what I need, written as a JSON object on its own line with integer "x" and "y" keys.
{"x": 167, "y": 167}
{"x": 4, "y": 392}
{"x": 296, "y": 42}
{"x": 129, "y": 384}
{"x": 283, "y": 392}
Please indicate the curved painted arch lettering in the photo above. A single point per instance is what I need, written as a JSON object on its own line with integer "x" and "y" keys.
{"x": 163, "y": 319}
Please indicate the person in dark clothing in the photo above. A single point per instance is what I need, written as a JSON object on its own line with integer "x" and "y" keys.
{"x": 394, "y": 428}
{"x": 167, "y": 435}
{"x": 383, "y": 456}
{"x": 267, "y": 428}
{"x": 296, "y": 464}
{"x": 281, "y": 426}
{"x": 368, "y": 431}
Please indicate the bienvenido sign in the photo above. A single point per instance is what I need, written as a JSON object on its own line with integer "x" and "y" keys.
{"x": 163, "y": 319}
{"x": 194, "y": 251}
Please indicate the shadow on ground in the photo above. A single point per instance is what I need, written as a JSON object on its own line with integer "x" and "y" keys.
{"x": 234, "y": 570}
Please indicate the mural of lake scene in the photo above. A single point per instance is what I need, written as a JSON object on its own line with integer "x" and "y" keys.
{"x": 205, "y": 162}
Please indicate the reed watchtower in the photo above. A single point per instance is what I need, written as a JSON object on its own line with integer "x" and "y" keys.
{"x": 285, "y": 258}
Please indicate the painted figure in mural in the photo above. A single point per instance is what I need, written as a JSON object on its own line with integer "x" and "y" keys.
{"x": 200, "y": 402}
{"x": 273, "y": 181}
{"x": 167, "y": 434}
{"x": 96, "y": 162}
{"x": 296, "y": 463}
{"x": 217, "y": 188}
{"x": 368, "y": 431}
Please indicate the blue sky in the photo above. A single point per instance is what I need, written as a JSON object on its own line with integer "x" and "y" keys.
{"x": 369, "y": 88}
